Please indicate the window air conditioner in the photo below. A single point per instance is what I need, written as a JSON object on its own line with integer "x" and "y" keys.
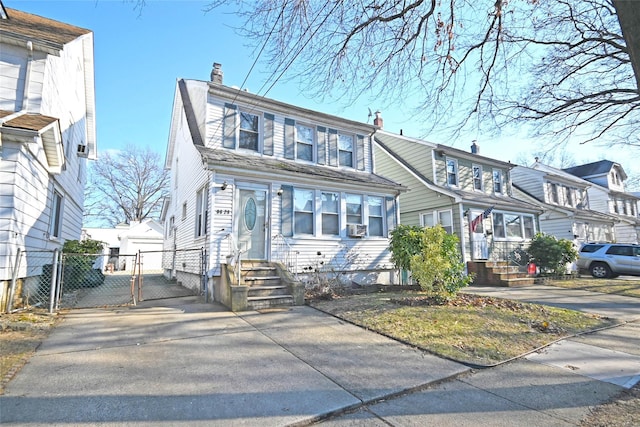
{"x": 83, "y": 151}
{"x": 356, "y": 230}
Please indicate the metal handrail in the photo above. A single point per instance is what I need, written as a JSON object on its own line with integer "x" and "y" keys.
{"x": 236, "y": 262}
{"x": 281, "y": 242}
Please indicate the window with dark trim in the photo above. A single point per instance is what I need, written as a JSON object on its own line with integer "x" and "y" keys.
{"x": 477, "y": 177}
{"x": 55, "y": 224}
{"x": 304, "y": 142}
{"x": 330, "y": 213}
{"x": 374, "y": 204}
{"x": 202, "y": 211}
{"x": 303, "y": 211}
{"x": 249, "y": 131}
{"x": 452, "y": 172}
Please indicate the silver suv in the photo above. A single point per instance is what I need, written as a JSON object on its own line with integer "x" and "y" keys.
{"x": 606, "y": 260}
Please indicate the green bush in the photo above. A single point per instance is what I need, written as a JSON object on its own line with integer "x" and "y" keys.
{"x": 405, "y": 242}
{"x": 550, "y": 254}
{"x": 78, "y": 263}
{"x": 433, "y": 258}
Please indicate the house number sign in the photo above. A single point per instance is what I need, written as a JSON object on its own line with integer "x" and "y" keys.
{"x": 223, "y": 212}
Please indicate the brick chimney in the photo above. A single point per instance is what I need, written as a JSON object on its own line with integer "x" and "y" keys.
{"x": 475, "y": 148}
{"x": 216, "y": 73}
{"x": 378, "y": 120}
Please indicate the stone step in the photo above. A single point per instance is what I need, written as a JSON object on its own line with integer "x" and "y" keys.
{"x": 258, "y": 303}
{"x": 267, "y": 291}
{"x": 262, "y": 281}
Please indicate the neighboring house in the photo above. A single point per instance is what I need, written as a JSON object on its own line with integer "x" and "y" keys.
{"x": 608, "y": 195}
{"x": 47, "y": 132}
{"x": 468, "y": 194}
{"x": 269, "y": 181}
{"x": 124, "y": 241}
{"x": 565, "y": 199}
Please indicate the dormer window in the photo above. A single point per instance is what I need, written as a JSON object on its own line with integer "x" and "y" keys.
{"x": 345, "y": 150}
{"x": 304, "y": 142}
{"x": 477, "y": 177}
{"x": 553, "y": 190}
{"x": 497, "y": 181}
{"x": 452, "y": 172}
{"x": 249, "y": 131}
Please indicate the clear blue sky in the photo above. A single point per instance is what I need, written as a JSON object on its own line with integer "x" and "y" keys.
{"x": 139, "y": 55}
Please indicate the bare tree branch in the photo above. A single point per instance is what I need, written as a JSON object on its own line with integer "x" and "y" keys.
{"x": 128, "y": 186}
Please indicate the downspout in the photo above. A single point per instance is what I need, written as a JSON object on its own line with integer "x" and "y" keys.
{"x": 27, "y": 77}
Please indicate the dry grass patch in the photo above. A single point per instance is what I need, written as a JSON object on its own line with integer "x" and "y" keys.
{"x": 472, "y": 329}
{"x": 20, "y": 336}
{"x": 618, "y": 286}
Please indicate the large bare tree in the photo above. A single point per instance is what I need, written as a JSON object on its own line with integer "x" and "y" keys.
{"x": 561, "y": 65}
{"x": 125, "y": 186}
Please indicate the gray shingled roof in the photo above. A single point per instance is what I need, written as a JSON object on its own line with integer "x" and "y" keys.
{"x": 39, "y": 28}
{"x": 590, "y": 169}
{"x": 233, "y": 160}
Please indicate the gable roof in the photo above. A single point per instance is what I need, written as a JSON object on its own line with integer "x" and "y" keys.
{"x": 48, "y": 32}
{"x": 601, "y": 167}
{"x": 191, "y": 97}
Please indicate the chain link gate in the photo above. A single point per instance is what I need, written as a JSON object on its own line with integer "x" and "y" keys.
{"x": 49, "y": 279}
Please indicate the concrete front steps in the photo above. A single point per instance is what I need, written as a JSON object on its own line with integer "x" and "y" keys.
{"x": 498, "y": 273}
{"x": 266, "y": 288}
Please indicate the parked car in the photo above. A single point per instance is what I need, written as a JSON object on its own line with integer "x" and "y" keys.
{"x": 607, "y": 260}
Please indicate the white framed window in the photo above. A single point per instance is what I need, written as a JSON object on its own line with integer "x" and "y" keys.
{"x": 172, "y": 223}
{"x": 345, "y": 150}
{"x": 305, "y": 137}
{"x": 330, "y": 213}
{"x": 55, "y": 222}
{"x": 477, "y": 177}
{"x": 303, "y": 211}
{"x": 553, "y": 193}
{"x": 513, "y": 226}
{"x": 354, "y": 209}
{"x": 497, "y": 181}
{"x": 442, "y": 217}
{"x": 202, "y": 211}
{"x": 376, "y": 223}
{"x": 452, "y": 172}
{"x": 249, "y": 131}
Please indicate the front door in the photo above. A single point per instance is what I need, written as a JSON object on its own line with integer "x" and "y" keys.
{"x": 479, "y": 244}
{"x": 252, "y": 223}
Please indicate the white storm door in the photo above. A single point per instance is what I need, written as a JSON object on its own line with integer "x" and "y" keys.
{"x": 251, "y": 223}
{"x": 479, "y": 243}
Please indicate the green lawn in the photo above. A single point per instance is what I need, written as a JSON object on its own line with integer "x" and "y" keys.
{"x": 472, "y": 329}
{"x": 626, "y": 286}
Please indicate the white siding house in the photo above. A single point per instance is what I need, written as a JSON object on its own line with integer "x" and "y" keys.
{"x": 568, "y": 213}
{"x": 274, "y": 182}
{"x": 47, "y": 133}
{"x": 607, "y": 195}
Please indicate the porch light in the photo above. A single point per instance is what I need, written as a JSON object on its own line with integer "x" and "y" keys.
{"x": 224, "y": 186}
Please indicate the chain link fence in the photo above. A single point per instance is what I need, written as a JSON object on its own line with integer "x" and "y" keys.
{"x": 52, "y": 280}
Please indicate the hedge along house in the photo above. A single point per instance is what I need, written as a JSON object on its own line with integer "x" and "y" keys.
{"x": 468, "y": 194}
{"x": 257, "y": 181}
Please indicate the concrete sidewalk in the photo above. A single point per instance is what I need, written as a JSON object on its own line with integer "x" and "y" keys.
{"x": 189, "y": 363}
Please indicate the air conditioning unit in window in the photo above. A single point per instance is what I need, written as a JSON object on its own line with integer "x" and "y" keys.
{"x": 83, "y": 150}
{"x": 356, "y": 230}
